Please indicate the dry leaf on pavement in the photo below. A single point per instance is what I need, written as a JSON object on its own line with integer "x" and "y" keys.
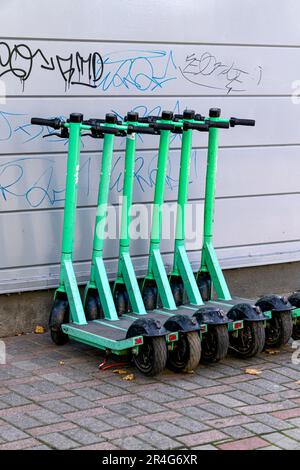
{"x": 39, "y": 329}
{"x": 272, "y": 351}
{"x": 129, "y": 377}
{"x": 252, "y": 371}
{"x": 120, "y": 371}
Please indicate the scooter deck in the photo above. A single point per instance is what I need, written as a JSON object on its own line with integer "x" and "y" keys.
{"x": 107, "y": 334}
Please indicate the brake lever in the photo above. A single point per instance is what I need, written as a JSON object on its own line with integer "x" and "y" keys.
{"x": 64, "y": 134}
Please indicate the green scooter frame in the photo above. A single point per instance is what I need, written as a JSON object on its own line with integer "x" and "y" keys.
{"x": 267, "y": 322}
{"x": 147, "y": 341}
{"x": 126, "y": 287}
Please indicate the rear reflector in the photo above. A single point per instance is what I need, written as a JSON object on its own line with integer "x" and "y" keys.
{"x": 172, "y": 337}
{"x": 138, "y": 341}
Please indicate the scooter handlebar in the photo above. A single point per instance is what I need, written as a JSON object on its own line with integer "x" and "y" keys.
{"x": 141, "y": 130}
{"x": 55, "y": 123}
{"x": 160, "y": 126}
{"x": 145, "y": 120}
{"x": 202, "y": 127}
{"x": 218, "y": 124}
{"x": 241, "y": 122}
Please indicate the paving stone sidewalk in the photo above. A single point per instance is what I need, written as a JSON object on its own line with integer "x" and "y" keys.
{"x": 56, "y": 398}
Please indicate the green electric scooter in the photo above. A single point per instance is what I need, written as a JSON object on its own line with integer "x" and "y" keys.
{"x": 215, "y": 325}
{"x": 148, "y": 345}
{"x": 126, "y": 289}
{"x": 267, "y": 322}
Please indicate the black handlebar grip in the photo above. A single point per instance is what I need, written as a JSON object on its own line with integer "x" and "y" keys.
{"x": 55, "y": 123}
{"x": 241, "y": 122}
{"x": 219, "y": 124}
{"x": 141, "y": 130}
{"x": 203, "y": 127}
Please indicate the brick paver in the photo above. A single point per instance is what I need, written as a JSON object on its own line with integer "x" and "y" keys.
{"x": 47, "y": 404}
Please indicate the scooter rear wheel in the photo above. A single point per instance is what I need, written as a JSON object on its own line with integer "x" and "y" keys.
{"x": 215, "y": 344}
{"x": 59, "y": 314}
{"x": 250, "y": 340}
{"x": 151, "y": 359}
{"x": 150, "y": 297}
{"x": 279, "y": 329}
{"x": 186, "y": 354}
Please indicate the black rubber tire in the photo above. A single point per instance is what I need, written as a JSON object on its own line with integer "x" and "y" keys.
{"x": 296, "y": 330}
{"x": 152, "y": 357}
{"x": 279, "y": 329}
{"x": 204, "y": 287}
{"x": 121, "y": 301}
{"x": 93, "y": 308}
{"x": 150, "y": 297}
{"x": 178, "y": 292}
{"x": 186, "y": 354}
{"x": 215, "y": 344}
{"x": 59, "y": 337}
{"x": 254, "y": 334}
{"x": 59, "y": 314}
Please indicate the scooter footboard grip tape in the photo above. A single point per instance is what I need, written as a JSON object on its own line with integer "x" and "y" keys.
{"x": 54, "y": 123}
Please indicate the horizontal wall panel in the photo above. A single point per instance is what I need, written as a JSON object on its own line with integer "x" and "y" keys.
{"x": 252, "y": 22}
{"x": 36, "y": 236}
{"x": 41, "y": 277}
{"x": 46, "y": 68}
{"x": 38, "y": 182}
{"x": 18, "y": 136}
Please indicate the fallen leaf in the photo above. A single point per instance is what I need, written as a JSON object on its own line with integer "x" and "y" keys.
{"x": 252, "y": 371}
{"x": 129, "y": 377}
{"x": 298, "y": 382}
{"x": 39, "y": 329}
{"x": 61, "y": 363}
{"x": 119, "y": 371}
{"x": 272, "y": 351}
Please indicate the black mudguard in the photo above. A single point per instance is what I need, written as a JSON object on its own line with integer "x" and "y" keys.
{"x": 275, "y": 303}
{"x": 246, "y": 312}
{"x": 211, "y": 316}
{"x": 294, "y": 299}
{"x": 146, "y": 327}
{"x": 182, "y": 323}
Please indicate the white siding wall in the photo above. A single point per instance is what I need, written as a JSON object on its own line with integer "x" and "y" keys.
{"x": 175, "y": 54}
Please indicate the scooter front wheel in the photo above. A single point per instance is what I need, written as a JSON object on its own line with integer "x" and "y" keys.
{"x": 296, "y": 330}
{"x": 177, "y": 291}
{"x": 250, "y": 339}
{"x": 59, "y": 314}
{"x": 279, "y": 329}
{"x": 93, "y": 308}
{"x": 150, "y": 297}
{"x": 215, "y": 343}
{"x": 121, "y": 301}
{"x": 186, "y": 354}
{"x": 151, "y": 359}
